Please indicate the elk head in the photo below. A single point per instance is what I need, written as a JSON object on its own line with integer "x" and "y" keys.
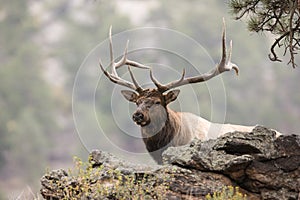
{"x": 152, "y": 103}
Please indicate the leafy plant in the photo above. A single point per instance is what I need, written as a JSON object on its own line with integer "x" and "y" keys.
{"x": 228, "y": 193}
{"x": 86, "y": 181}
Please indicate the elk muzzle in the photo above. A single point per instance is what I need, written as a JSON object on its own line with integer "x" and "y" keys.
{"x": 140, "y": 118}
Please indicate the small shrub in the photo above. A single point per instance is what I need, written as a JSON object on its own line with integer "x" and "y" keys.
{"x": 227, "y": 193}
{"x": 86, "y": 182}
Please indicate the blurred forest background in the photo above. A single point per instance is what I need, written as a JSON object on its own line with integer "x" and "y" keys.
{"x": 44, "y": 43}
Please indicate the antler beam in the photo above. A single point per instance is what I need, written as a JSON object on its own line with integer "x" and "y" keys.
{"x": 113, "y": 76}
{"x": 223, "y": 66}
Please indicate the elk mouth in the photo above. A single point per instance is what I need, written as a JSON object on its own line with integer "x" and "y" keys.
{"x": 142, "y": 123}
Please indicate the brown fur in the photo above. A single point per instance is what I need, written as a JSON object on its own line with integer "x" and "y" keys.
{"x": 162, "y": 127}
{"x": 159, "y": 141}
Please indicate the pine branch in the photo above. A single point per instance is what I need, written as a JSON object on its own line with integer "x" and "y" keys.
{"x": 279, "y": 17}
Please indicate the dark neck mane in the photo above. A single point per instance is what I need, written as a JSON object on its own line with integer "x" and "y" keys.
{"x": 162, "y": 139}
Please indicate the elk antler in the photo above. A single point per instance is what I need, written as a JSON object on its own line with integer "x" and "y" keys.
{"x": 223, "y": 66}
{"x": 113, "y": 76}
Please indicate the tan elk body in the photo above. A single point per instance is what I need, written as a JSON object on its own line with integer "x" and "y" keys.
{"x": 162, "y": 127}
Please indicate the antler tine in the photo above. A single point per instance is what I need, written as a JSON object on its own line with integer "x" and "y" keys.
{"x": 122, "y": 61}
{"x": 229, "y": 63}
{"x": 223, "y": 65}
{"x": 220, "y": 68}
{"x": 155, "y": 81}
{"x": 111, "y": 51}
{"x": 223, "y": 58}
{"x": 178, "y": 82}
{"x": 113, "y": 76}
{"x": 117, "y": 80}
{"x": 125, "y": 61}
{"x": 168, "y": 86}
{"x": 138, "y": 88}
{"x": 230, "y": 51}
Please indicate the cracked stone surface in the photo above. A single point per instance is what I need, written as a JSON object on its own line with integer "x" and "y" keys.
{"x": 262, "y": 165}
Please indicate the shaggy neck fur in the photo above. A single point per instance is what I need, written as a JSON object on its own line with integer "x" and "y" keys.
{"x": 161, "y": 133}
{"x": 171, "y": 128}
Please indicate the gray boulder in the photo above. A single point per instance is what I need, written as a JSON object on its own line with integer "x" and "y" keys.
{"x": 262, "y": 165}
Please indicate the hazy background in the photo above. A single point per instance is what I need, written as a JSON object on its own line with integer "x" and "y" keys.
{"x": 49, "y": 56}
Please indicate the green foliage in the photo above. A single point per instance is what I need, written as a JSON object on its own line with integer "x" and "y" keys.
{"x": 228, "y": 193}
{"x": 101, "y": 182}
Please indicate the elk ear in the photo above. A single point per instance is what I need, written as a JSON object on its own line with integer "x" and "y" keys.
{"x": 130, "y": 95}
{"x": 171, "y": 96}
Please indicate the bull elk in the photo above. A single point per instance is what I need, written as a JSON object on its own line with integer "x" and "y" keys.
{"x": 162, "y": 127}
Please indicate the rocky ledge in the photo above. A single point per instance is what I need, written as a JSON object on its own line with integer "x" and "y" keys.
{"x": 262, "y": 165}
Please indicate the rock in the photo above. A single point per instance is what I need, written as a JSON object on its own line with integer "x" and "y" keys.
{"x": 51, "y": 187}
{"x": 100, "y": 158}
{"x": 262, "y": 165}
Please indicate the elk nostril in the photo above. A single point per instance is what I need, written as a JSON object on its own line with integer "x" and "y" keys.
{"x": 138, "y": 117}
